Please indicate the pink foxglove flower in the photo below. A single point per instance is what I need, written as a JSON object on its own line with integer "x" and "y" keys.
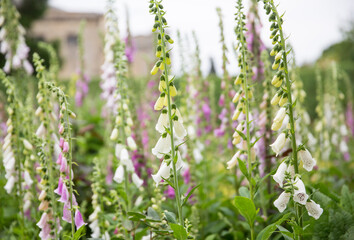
{"x": 65, "y": 147}
{"x": 307, "y": 160}
{"x": 66, "y": 212}
{"x": 300, "y": 195}
{"x": 79, "y": 221}
{"x": 282, "y": 201}
{"x": 314, "y": 210}
{"x": 59, "y": 189}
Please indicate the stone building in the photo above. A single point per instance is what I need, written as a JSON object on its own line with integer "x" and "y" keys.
{"x": 61, "y": 25}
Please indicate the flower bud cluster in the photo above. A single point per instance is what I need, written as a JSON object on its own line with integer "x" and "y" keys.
{"x": 12, "y": 40}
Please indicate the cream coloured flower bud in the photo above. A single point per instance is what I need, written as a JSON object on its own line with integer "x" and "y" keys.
{"x": 130, "y": 122}
{"x": 125, "y": 160}
{"x": 314, "y": 210}
{"x": 278, "y": 120}
{"x": 279, "y": 55}
{"x": 160, "y": 102}
{"x": 40, "y": 131}
{"x": 119, "y": 120}
{"x": 26, "y": 205}
{"x": 137, "y": 181}
{"x": 43, "y": 206}
{"x": 236, "y": 114}
{"x": 10, "y": 184}
{"x": 27, "y": 145}
{"x": 162, "y": 66}
{"x": 275, "y": 80}
{"x": 131, "y": 143}
{"x": 280, "y": 174}
{"x": 236, "y": 140}
{"x": 279, "y": 143}
{"x": 154, "y": 70}
{"x": 118, "y": 149}
{"x": 238, "y": 80}
{"x": 283, "y": 100}
{"x": 173, "y": 90}
{"x": 114, "y": 134}
{"x": 162, "y": 85}
{"x": 163, "y": 146}
{"x": 233, "y": 161}
{"x": 38, "y": 111}
{"x": 127, "y": 130}
{"x": 275, "y": 65}
{"x": 300, "y": 195}
{"x": 307, "y": 160}
{"x": 237, "y": 96}
{"x": 42, "y": 195}
{"x": 163, "y": 172}
{"x": 282, "y": 201}
{"x": 275, "y": 100}
{"x": 119, "y": 174}
{"x": 273, "y": 52}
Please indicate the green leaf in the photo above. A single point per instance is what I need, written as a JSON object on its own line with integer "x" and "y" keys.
{"x": 178, "y": 231}
{"x": 285, "y": 232}
{"x": 169, "y": 182}
{"x": 246, "y": 208}
{"x": 153, "y": 214}
{"x": 140, "y": 234}
{"x": 170, "y": 216}
{"x": 189, "y": 194}
{"x": 80, "y": 233}
{"x": 135, "y": 216}
{"x": 242, "y": 167}
{"x": 269, "y": 230}
{"x": 255, "y": 141}
{"x": 241, "y": 134}
{"x": 244, "y": 192}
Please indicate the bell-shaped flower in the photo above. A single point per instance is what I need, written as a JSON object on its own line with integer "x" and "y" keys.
{"x": 162, "y": 122}
{"x": 137, "y": 181}
{"x": 118, "y": 149}
{"x": 279, "y": 143}
{"x": 160, "y": 102}
{"x": 63, "y": 165}
{"x": 114, "y": 134}
{"x": 131, "y": 143}
{"x": 180, "y": 131}
{"x": 163, "y": 146}
{"x": 41, "y": 131}
{"x": 43, "y": 206}
{"x": 280, "y": 174}
{"x": 66, "y": 212}
{"x": 59, "y": 189}
{"x": 79, "y": 221}
{"x": 163, "y": 172}
{"x": 125, "y": 160}
{"x": 307, "y": 160}
{"x": 27, "y": 145}
{"x": 282, "y": 201}
{"x": 64, "y": 198}
{"x": 43, "y": 221}
{"x": 233, "y": 161}
{"x": 27, "y": 178}
{"x": 10, "y": 184}
{"x": 300, "y": 195}
{"x": 314, "y": 210}
{"x": 42, "y": 195}
{"x": 278, "y": 120}
{"x": 119, "y": 174}
{"x": 94, "y": 226}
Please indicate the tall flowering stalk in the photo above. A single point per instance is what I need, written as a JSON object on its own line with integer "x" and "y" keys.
{"x": 288, "y": 170}
{"x": 12, "y": 40}
{"x": 243, "y": 97}
{"x": 170, "y": 123}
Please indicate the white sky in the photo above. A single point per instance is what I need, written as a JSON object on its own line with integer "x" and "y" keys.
{"x": 313, "y": 25}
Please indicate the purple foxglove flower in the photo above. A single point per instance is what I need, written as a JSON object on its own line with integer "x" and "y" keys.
{"x": 65, "y": 147}
{"x": 59, "y": 189}
{"x": 66, "y": 212}
{"x": 43, "y": 221}
{"x": 79, "y": 221}
{"x": 63, "y": 165}
{"x": 64, "y": 194}
{"x": 60, "y": 158}
{"x": 45, "y": 233}
{"x": 61, "y": 142}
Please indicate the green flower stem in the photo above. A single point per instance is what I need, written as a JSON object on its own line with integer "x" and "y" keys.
{"x": 173, "y": 153}
{"x": 291, "y": 112}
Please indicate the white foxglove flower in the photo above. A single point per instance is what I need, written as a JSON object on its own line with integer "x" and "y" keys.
{"x": 114, "y": 134}
{"x": 280, "y": 174}
{"x": 162, "y": 122}
{"x": 95, "y": 229}
{"x": 180, "y": 131}
{"x": 119, "y": 174}
{"x": 314, "y": 210}
{"x": 137, "y": 181}
{"x": 279, "y": 143}
{"x": 27, "y": 145}
{"x": 27, "y": 178}
{"x": 163, "y": 172}
{"x": 343, "y": 146}
{"x": 125, "y": 160}
{"x": 233, "y": 161}
{"x": 10, "y": 184}
{"x": 300, "y": 195}
{"x": 282, "y": 201}
{"x": 41, "y": 131}
{"x": 163, "y": 146}
{"x": 278, "y": 120}
{"x": 198, "y": 157}
{"x": 131, "y": 143}
{"x": 307, "y": 160}
{"x": 118, "y": 149}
